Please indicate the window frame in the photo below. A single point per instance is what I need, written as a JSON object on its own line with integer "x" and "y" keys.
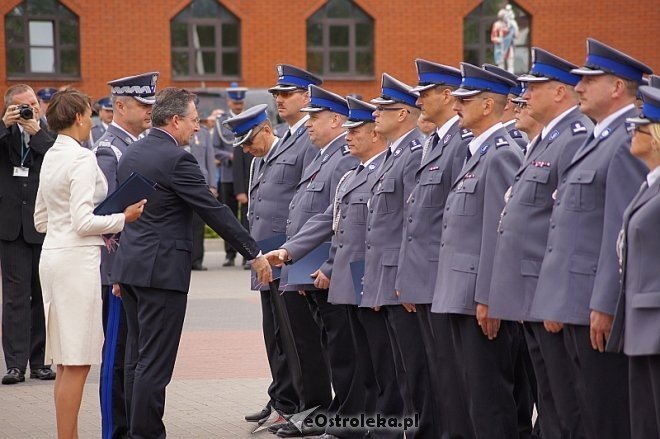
{"x": 26, "y": 47}
{"x": 217, "y": 49}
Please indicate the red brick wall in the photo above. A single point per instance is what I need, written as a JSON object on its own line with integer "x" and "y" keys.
{"x": 130, "y": 37}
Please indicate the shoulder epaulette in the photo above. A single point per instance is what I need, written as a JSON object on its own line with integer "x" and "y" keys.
{"x": 515, "y": 134}
{"x": 345, "y": 150}
{"x": 415, "y": 144}
{"x": 466, "y": 133}
{"x": 500, "y": 142}
{"x": 577, "y": 128}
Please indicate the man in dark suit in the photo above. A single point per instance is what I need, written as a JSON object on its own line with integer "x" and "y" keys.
{"x": 154, "y": 258}
{"x": 23, "y": 144}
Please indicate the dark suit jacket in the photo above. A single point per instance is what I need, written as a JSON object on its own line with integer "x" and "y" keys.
{"x": 17, "y": 194}
{"x": 155, "y": 251}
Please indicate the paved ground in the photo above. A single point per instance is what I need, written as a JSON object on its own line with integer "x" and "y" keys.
{"x": 220, "y": 375}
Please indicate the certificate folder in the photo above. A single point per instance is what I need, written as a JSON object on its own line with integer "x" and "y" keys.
{"x": 357, "y": 273}
{"x": 135, "y": 188}
{"x": 299, "y": 272}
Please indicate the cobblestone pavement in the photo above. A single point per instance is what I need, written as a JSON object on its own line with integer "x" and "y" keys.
{"x": 221, "y": 371}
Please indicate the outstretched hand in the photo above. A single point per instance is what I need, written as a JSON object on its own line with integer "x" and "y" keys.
{"x": 277, "y": 257}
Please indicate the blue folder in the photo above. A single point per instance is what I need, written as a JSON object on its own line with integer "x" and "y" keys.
{"x": 299, "y": 272}
{"x": 272, "y": 243}
{"x": 357, "y": 273}
{"x": 135, "y": 188}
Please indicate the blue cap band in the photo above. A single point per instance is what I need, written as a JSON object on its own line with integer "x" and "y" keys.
{"x": 618, "y": 69}
{"x": 400, "y": 96}
{"x": 293, "y": 80}
{"x": 330, "y": 105}
{"x": 236, "y": 95}
{"x": 359, "y": 114}
{"x": 246, "y": 126}
{"x": 485, "y": 85}
{"x": 651, "y": 112}
{"x": 552, "y": 72}
{"x": 428, "y": 78}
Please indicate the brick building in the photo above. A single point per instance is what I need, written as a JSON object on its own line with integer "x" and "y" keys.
{"x": 209, "y": 43}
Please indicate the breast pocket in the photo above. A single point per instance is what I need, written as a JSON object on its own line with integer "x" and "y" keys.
{"x": 286, "y": 171}
{"x": 432, "y": 190}
{"x": 465, "y": 198}
{"x": 316, "y": 200}
{"x": 357, "y": 208}
{"x": 534, "y": 189}
{"x": 581, "y": 191}
{"x": 384, "y": 200}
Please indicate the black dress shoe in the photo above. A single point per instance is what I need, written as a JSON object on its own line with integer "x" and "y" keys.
{"x": 291, "y": 430}
{"x": 199, "y": 267}
{"x": 14, "y": 375}
{"x": 278, "y": 426}
{"x": 229, "y": 262}
{"x": 256, "y": 417}
{"x": 44, "y": 373}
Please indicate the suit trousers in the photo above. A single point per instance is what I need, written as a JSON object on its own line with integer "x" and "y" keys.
{"x": 644, "y": 379}
{"x": 524, "y": 387}
{"x": 406, "y": 340}
{"x": 450, "y": 401}
{"x": 154, "y": 319}
{"x": 111, "y": 386}
{"x": 559, "y": 413}
{"x": 389, "y": 401}
{"x": 601, "y": 384}
{"x": 488, "y": 375}
{"x": 198, "y": 226}
{"x": 228, "y": 197}
{"x": 340, "y": 349}
{"x": 280, "y": 351}
{"x": 23, "y": 321}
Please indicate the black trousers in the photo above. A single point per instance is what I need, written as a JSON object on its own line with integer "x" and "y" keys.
{"x": 559, "y": 413}
{"x": 450, "y": 400}
{"x": 198, "y": 225}
{"x": 644, "y": 379}
{"x": 23, "y": 321}
{"x": 228, "y": 197}
{"x": 389, "y": 401}
{"x": 524, "y": 386}
{"x": 406, "y": 339}
{"x": 337, "y": 339}
{"x": 111, "y": 386}
{"x": 601, "y": 384}
{"x": 488, "y": 375}
{"x": 154, "y": 319}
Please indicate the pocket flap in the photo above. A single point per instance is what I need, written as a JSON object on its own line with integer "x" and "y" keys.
{"x": 646, "y": 300}
{"x": 431, "y": 178}
{"x": 181, "y": 244}
{"x": 584, "y": 176}
{"x": 530, "y": 267}
{"x": 464, "y": 262}
{"x": 387, "y": 185}
{"x": 279, "y": 225}
{"x": 537, "y": 175}
{"x": 583, "y": 265}
{"x": 360, "y": 199}
{"x": 287, "y": 159}
{"x": 468, "y": 185}
{"x": 390, "y": 258}
{"x": 315, "y": 186}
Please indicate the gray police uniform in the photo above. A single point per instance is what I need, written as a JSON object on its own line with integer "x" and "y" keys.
{"x": 96, "y": 133}
{"x": 518, "y": 136}
{"x": 202, "y": 150}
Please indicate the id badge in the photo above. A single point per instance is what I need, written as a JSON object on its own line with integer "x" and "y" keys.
{"x": 20, "y": 171}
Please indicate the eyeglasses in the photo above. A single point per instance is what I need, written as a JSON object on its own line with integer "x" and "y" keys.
{"x": 520, "y": 104}
{"x": 249, "y": 141}
{"x": 381, "y": 108}
{"x": 194, "y": 120}
{"x": 286, "y": 94}
{"x": 463, "y": 100}
{"x": 638, "y": 129}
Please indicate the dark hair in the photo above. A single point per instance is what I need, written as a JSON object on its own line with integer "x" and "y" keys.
{"x": 64, "y": 107}
{"x": 170, "y": 102}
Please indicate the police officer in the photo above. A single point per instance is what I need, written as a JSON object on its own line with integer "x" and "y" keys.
{"x": 483, "y": 347}
{"x": 223, "y": 143}
{"x": 396, "y": 119}
{"x": 578, "y": 282}
{"x": 508, "y": 117}
{"x": 131, "y": 100}
{"x": 344, "y": 220}
{"x": 523, "y": 233}
{"x": 637, "y": 309}
{"x": 314, "y": 193}
{"x": 45, "y": 95}
{"x": 105, "y": 117}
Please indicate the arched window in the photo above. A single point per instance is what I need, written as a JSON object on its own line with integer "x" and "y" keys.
{"x": 205, "y": 40}
{"x": 41, "y": 40}
{"x": 340, "y": 41}
{"x": 498, "y": 32}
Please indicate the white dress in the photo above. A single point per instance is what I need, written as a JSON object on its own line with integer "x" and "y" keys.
{"x": 70, "y": 185}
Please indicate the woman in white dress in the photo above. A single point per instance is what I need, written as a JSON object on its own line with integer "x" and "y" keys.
{"x": 71, "y": 185}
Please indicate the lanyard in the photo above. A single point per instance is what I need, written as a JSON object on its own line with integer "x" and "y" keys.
{"x": 25, "y": 150}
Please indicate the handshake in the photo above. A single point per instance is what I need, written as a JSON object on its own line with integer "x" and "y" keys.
{"x": 278, "y": 257}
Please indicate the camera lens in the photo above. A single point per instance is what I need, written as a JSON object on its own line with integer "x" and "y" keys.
{"x": 26, "y": 112}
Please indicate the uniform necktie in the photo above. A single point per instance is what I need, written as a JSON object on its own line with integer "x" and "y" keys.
{"x": 286, "y": 137}
{"x": 430, "y": 144}
{"x": 468, "y": 154}
{"x": 359, "y": 168}
{"x": 388, "y": 154}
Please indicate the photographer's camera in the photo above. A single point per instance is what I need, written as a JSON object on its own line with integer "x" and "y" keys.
{"x": 26, "y": 111}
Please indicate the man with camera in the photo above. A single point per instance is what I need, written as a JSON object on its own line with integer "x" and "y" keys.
{"x": 22, "y": 147}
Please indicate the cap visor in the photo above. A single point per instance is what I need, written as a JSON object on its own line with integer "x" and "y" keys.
{"x": 282, "y": 87}
{"x": 312, "y": 109}
{"x": 382, "y": 101}
{"x": 353, "y": 123}
{"x": 146, "y": 100}
{"x": 532, "y": 78}
{"x": 423, "y": 87}
{"x": 464, "y": 92}
{"x": 638, "y": 120}
{"x": 586, "y": 71}
{"x": 518, "y": 100}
